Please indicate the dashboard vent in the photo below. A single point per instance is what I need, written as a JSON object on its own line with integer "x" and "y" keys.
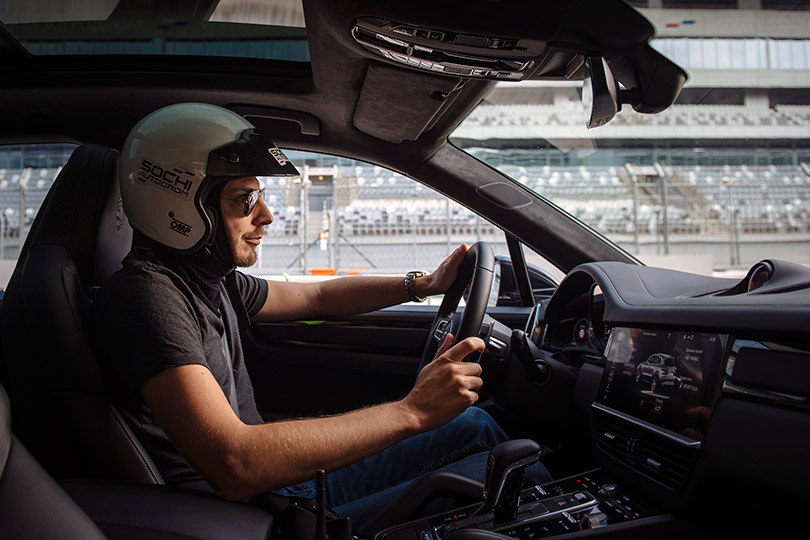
{"x": 612, "y": 437}
{"x": 665, "y": 463}
{"x": 658, "y": 458}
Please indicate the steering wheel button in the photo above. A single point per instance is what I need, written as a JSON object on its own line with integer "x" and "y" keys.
{"x": 441, "y": 330}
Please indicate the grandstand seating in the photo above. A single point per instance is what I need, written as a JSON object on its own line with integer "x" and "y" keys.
{"x": 677, "y": 115}
{"x": 391, "y": 217}
{"x": 762, "y": 199}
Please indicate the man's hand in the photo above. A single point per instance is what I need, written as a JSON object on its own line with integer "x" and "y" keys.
{"x": 443, "y": 277}
{"x": 446, "y": 386}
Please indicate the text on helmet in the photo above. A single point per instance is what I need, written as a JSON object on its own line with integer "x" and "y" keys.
{"x": 176, "y": 181}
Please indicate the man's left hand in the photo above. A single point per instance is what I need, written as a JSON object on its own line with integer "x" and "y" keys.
{"x": 443, "y": 277}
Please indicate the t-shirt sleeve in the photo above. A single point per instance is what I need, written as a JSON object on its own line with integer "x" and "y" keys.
{"x": 144, "y": 329}
{"x": 253, "y": 291}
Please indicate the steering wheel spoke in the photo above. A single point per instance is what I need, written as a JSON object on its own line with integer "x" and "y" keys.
{"x": 442, "y": 327}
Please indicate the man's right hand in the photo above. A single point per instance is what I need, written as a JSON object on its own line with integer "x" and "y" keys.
{"x": 446, "y": 386}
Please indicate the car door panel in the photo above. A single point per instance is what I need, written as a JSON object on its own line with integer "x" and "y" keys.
{"x": 327, "y": 367}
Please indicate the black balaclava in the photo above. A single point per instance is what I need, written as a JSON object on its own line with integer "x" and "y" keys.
{"x": 205, "y": 269}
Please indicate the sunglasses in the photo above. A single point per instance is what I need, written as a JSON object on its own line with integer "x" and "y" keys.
{"x": 248, "y": 199}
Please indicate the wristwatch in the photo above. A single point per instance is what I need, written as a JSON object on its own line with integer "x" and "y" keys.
{"x": 410, "y": 288}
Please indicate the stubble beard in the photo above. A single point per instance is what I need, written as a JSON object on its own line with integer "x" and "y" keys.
{"x": 243, "y": 257}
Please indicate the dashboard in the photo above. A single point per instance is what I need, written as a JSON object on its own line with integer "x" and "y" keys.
{"x": 772, "y": 299}
{"x": 694, "y": 383}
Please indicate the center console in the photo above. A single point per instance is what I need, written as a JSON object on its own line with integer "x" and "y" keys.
{"x": 587, "y": 501}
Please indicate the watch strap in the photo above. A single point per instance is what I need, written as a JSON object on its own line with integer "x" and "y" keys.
{"x": 410, "y": 287}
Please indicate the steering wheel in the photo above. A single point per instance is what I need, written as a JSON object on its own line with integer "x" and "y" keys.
{"x": 477, "y": 268}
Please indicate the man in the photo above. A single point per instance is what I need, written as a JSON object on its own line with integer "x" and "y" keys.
{"x": 169, "y": 340}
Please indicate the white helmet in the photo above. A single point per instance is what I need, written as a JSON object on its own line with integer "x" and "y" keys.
{"x": 172, "y": 159}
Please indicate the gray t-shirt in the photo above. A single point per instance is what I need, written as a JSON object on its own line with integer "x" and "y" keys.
{"x": 148, "y": 319}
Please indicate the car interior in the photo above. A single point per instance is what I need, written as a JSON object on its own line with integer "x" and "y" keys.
{"x": 664, "y": 403}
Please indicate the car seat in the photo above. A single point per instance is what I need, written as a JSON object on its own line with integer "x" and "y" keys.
{"x": 32, "y": 505}
{"x": 61, "y": 410}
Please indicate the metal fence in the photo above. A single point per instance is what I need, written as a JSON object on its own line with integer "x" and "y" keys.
{"x": 333, "y": 224}
{"x": 343, "y": 220}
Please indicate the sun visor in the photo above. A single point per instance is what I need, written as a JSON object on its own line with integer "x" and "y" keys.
{"x": 249, "y": 155}
{"x": 399, "y": 105}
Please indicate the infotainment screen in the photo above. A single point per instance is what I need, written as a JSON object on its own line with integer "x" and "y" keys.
{"x": 664, "y": 377}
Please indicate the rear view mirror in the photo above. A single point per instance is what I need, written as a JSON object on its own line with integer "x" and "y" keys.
{"x": 600, "y": 92}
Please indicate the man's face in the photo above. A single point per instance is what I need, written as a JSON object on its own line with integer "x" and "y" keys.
{"x": 244, "y": 232}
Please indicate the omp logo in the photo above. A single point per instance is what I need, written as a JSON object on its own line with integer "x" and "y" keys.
{"x": 176, "y": 181}
{"x": 179, "y": 227}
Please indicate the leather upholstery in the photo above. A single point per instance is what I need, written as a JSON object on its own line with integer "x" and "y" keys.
{"x": 163, "y": 512}
{"x": 32, "y": 505}
{"x": 62, "y": 413}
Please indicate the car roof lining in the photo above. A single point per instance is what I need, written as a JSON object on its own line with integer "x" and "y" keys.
{"x": 396, "y": 105}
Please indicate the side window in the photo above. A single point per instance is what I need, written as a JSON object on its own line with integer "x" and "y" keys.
{"x": 26, "y": 174}
{"x": 341, "y": 217}
{"x": 344, "y": 217}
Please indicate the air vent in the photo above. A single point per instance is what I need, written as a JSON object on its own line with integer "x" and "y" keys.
{"x": 664, "y": 463}
{"x": 613, "y": 438}
{"x": 644, "y": 450}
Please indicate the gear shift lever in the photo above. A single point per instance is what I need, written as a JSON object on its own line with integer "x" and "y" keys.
{"x": 504, "y": 477}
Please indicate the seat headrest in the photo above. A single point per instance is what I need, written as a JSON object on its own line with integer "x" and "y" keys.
{"x": 83, "y": 213}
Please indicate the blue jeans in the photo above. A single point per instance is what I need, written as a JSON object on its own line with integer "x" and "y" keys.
{"x": 460, "y": 446}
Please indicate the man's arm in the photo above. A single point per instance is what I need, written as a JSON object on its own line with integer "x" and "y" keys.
{"x": 241, "y": 460}
{"x": 351, "y": 295}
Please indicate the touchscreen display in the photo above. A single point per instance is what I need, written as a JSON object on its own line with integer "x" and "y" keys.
{"x": 664, "y": 377}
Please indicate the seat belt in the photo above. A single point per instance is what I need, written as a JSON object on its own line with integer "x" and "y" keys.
{"x": 242, "y": 317}
{"x": 226, "y": 352}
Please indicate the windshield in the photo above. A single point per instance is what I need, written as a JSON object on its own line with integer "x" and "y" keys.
{"x": 716, "y": 183}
